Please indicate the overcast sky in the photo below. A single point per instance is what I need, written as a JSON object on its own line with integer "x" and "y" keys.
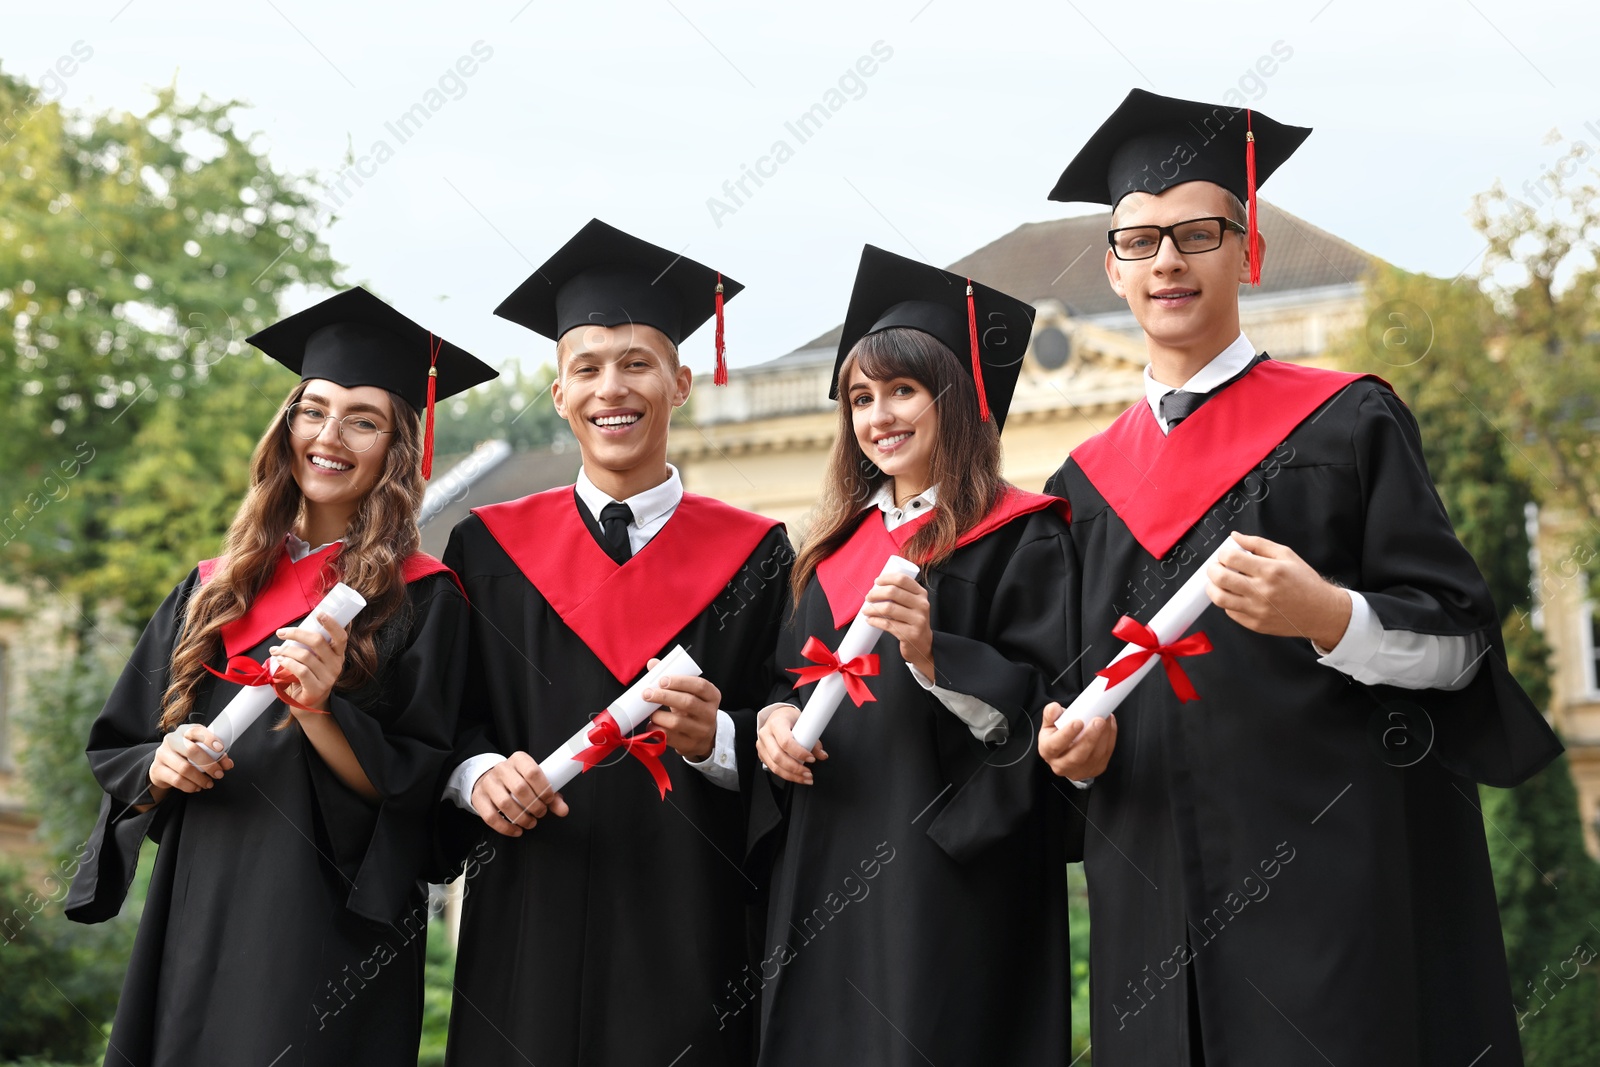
{"x": 639, "y": 112}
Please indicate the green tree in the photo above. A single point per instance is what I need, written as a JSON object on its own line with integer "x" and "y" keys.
{"x": 1428, "y": 338}
{"x": 515, "y": 407}
{"x": 1549, "y": 891}
{"x": 54, "y": 720}
{"x": 53, "y": 975}
{"x": 136, "y": 254}
{"x": 1542, "y": 273}
{"x": 1457, "y": 353}
{"x": 137, "y": 251}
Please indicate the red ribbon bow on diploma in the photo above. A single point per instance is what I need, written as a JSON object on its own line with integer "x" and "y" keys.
{"x": 828, "y": 663}
{"x": 1137, "y": 633}
{"x": 242, "y": 670}
{"x": 605, "y": 737}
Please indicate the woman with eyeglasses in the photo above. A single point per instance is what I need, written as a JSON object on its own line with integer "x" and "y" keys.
{"x": 285, "y": 920}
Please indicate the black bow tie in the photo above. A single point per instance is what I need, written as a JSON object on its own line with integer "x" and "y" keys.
{"x": 614, "y": 521}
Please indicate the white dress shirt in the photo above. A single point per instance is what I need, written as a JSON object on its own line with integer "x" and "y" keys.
{"x": 651, "y": 510}
{"x": 1368, "y": 653}
{"x": 299, "y": 550}
{"x": 986, "y": 723}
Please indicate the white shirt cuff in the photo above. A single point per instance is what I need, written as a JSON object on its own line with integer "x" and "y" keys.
{"x": 721, "y": 766}
{"x": 464, "y": 779}
{"x": 766, "y": 713}
{"x": 1374, "y": 656}
{"x": 1361, "y": 639}
{"x": 984, "y": 722}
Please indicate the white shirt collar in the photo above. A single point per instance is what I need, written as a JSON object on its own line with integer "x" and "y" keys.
{"x": 1230, "y": 361}
{"x": 299, "y": 550}
{"x": 894, "y": 516}
{"x": 649, "y": 507}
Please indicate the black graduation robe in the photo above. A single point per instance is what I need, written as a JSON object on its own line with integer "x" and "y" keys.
{"x": 918, "y": 905}
{"x": 604, "y": 937}
{"x": 1295, "y": 864}
{"x": 286, "y": 919}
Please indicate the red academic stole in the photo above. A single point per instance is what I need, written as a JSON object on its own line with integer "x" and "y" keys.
{"x": 625, "y": 613}
{"x": 295, "y": 589}
{"x": 848, "y": 574}
{"x": 1161, "y": 484}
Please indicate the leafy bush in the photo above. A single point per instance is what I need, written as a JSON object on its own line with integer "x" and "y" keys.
{"x": 59, "y": 981}
{"x": 437, "y": 991}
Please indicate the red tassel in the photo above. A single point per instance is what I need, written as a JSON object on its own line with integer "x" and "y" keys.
{"x": 434, "y": 343}
{"x": 721, "y": 375}
{"x": 1253, "y": 236}
{"x": 977, "y": 363}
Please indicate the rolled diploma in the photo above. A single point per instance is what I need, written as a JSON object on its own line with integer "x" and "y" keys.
{"x": 858, "y": 640}
{"x": 341, "y": 602}
{"x": 630, "y": 710}
{"x": 1169, "y": 624}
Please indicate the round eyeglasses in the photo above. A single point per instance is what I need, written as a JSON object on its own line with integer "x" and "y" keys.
{"x": 356, "y": 432}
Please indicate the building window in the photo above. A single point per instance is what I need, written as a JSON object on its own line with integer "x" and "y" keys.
{"x": 1589, "y": 628}
{"x": 5, "y": 708}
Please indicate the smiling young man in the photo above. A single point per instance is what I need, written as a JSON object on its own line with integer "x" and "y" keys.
{"x": 612, "y": 915}
{"x": 1291, "y": 869}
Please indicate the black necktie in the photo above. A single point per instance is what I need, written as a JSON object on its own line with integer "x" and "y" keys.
{"x": 1179, "y": 405}
{"x": 614, "y": 520}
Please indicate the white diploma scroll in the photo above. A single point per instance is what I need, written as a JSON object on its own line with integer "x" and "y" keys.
{"x": 1170, "y": 623}
{"x": 858, "y": 640}
{"x": 630, "y": 710}
{"x": 343, "y": 604}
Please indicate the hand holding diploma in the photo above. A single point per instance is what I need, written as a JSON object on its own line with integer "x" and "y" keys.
{"x": 267, "y": 682}
{"x": 610, "y": 729}
{"x": 688, "y": 713}
{"x": 172, "y": 768}
{"x": 314, "y": 658}
{"x": 899, "y": 607}
{"x": 513, "y": 795}
{"x": 841, "y": 671}
{"x": 1268, "y": 588}
{"x": 1075, "y": 749}
{"x": 1076, "y": 742}
{"x": 777, "y": 749}
{"x": 1149, "y": 644}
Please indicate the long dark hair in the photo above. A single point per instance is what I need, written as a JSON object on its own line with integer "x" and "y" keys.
{"x": 381, "y": 537}
{"x": 966, "y": 453}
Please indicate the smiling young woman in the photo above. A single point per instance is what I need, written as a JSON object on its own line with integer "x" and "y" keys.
{"x": 911, "y": 415}
{"x": 935, "y": 768}
{"x": 290, "y": 862}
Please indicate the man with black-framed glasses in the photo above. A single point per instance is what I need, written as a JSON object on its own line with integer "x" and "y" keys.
{"x": 1291, "y": 869}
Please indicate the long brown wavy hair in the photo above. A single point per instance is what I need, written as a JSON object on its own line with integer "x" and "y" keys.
{"x": 965, "y": 464}
{"x": 381, "y": 536}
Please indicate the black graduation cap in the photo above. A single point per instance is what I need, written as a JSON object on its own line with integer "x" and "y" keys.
{"x": 605, "y": 277}
{"x": 353, "y": 338}
{"x": 972, "y": 320}
{"x": 1152, "y": 143}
